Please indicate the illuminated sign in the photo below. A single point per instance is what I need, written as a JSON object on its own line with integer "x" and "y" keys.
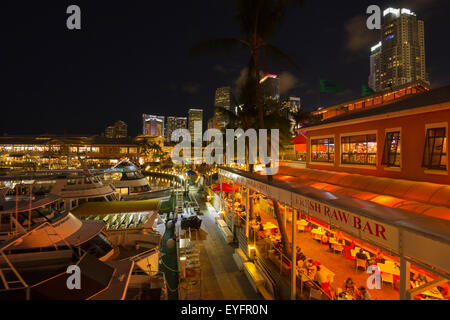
{"x": 391, "y": 10}
{"x": 407, "y": 11}
{"x": 375, "y": 47}
{"x": 273, "y": 76}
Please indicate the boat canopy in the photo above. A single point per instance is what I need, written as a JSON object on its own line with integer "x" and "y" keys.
{"x": 113, "y": 207}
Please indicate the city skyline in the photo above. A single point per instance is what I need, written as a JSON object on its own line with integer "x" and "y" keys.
{"x": 113, "y": 77}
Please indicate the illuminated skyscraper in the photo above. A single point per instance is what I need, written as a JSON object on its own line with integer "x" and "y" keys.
{"x": 153, "y": 125}
{"x": 174, "y": 123}
{"x": 399, "y": 58}
{"x": 222, "y": 99}
{"x": 270, "y": 86}
{"x": 195, "y": 115}
{"x": 375, "y": 69}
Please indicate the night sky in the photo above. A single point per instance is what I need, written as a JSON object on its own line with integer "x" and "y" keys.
{"x": 132, "y": 57}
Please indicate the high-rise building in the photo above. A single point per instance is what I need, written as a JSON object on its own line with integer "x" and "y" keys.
{"x": 174, "y": 123}
{"x": 222, "y": 99}
{"x": 153, "y": 125}
{"x": 270, "y": 86}
{"x": 375, "y": 69}
{"x": 118, "y": 130}
{"x": 291, "y": 105}
{"x": 399, "y": 58}
{"x": 195, "y": 115}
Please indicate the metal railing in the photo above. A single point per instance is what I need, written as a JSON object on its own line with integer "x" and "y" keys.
{"x": 286, "y": 262}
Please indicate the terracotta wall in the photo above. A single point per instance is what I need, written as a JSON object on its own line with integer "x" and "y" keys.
{"x": 412, "y": 145}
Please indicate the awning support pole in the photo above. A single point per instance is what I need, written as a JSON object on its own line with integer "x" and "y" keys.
{"x": 247, "y": 211}
{"x": 221, "y": 195}
{"x": 232, "y": 208}
{"x": 294, "y": 257}
{"x": 404, "y": 278}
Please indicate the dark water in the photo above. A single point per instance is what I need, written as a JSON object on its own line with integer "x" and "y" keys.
{"x": 163, "y": 182}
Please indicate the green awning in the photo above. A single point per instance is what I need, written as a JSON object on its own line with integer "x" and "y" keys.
{"x": 100, "y": 208}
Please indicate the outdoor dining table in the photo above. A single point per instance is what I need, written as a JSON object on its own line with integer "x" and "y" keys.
{"x": 346, "y": 296}
{"x": 328, "y": 273}
{"x": 388, "y": 268}
{"x": 318, "y": 231}
{"x": 302, "y": 222}
{"x": 334, "y": 241}
{"x": 269, "y": 225}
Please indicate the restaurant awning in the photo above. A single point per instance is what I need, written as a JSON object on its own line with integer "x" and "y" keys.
{"x": 226, "y": 188}
{"x": 300, "y": 139}
{"x": 418, "y": 197}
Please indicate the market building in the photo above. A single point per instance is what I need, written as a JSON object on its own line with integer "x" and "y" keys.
{"x": 62, "y": 151}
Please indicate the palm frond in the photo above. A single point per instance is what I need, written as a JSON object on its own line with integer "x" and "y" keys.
{"x": 279, "y": 55}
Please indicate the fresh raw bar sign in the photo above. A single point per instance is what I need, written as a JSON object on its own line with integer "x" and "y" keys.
{"x": 354, "y": 224}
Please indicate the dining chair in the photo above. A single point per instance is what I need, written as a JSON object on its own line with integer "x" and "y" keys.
{"x": 360, "y": 263}
{"x": 338, "y": 248}
{"x": 387, "y": 277}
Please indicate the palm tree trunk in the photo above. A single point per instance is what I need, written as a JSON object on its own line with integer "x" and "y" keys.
{"x": 258, "y": 92}
{"x": 284, "y": 238}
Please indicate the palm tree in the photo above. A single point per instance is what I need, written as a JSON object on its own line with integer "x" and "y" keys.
{"x": 302, "y": 118}
{"x": 258, "y": 21}
{"x": 150, "y": 149}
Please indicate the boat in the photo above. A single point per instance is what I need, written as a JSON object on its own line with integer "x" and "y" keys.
{"x": 74, "y": 188}
{"x": 40, "y": 239}
{"x": 131, "y": 183}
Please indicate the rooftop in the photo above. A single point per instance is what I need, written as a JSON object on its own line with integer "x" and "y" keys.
{"x": 423, "y": 99}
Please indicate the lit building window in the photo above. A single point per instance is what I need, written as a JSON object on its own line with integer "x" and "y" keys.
{"x": 360, "y": 149}
{"x": 392, "y": 152}
{"x": 435, "y": 154}
{"x": 84, "y": 149}
{"x": 322, "y": 150}
{"x": 133, "y": 150}
{"x": 123, "y": 150}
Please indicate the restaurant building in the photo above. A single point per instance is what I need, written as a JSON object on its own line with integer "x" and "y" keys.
{"x": 54, "y": 151}
{"x": 377, "y": 178}
{"x": 405, "y": 139}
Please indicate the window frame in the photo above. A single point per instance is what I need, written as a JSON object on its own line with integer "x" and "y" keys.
{"x": 383, "y": 163}
{"x": 430, "y": 169}
{"x": 358, "y": 165}
{"x": 311, "y": 152}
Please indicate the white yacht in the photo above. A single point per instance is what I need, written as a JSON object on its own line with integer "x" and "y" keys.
{"x": 52, "y": 226}
{"x": 74, "y": 188}
{"x": 40, "y": 239}
{"x": 131, "y": 184}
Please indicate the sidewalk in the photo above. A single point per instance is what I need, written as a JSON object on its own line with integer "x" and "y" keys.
{"x": 221, "y": 279}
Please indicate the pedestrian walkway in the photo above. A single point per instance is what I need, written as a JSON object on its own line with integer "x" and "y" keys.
{"x": 221, "y": 279}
